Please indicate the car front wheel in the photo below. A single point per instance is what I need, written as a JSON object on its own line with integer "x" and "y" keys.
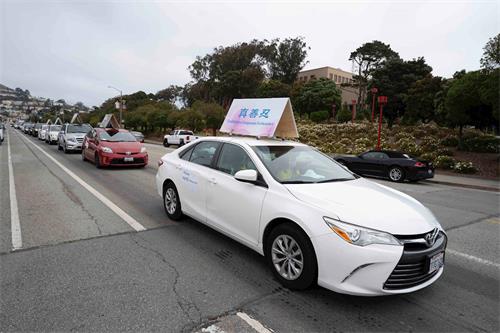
{"x": 165, "y": 143}
{"x": 171, "y": 202}
{"x": 291, "y": 256}
{"x": 396, "y": 174}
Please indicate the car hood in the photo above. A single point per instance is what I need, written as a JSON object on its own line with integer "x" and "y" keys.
{"x": 368, "y": 204}
{"x": 123, "y": 147}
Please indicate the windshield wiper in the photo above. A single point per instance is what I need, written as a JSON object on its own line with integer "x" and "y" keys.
{"x": 296, "y": 182}
{"x": 334, "y": 180}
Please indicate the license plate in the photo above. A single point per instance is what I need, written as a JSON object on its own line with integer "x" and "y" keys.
{"x": 128, "y": 159}
{"x": 436, "y": 262}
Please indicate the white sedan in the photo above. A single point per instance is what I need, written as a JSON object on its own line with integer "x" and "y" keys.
{"x": 313, "y": 220}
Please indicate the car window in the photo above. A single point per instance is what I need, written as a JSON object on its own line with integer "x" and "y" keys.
{"x": 233, "y": 159}
{"x": 375, "y": 155}
{"x": 204, "y": 152}
{"x": 186, "y": 155}
{"x": 186, "y": 133}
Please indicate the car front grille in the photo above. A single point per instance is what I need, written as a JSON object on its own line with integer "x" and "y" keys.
{"x": 79, "y": 140}
{"x": 413, "y": 267}
{"x": 121, "y": 161}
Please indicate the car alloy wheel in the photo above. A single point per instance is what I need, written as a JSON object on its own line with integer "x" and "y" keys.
{"x": 396, "y": 174}
{"x": 290, "y": 255}
{"x": 171, "y": 202}
{"x": 287, "y": 257}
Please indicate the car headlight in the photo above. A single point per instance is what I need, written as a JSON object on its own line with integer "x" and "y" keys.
{"x": 71, "y": 139}
{"x": 107, "y": 150}
{"x": 143, "y": 149}
{"x": 360, "y": 236}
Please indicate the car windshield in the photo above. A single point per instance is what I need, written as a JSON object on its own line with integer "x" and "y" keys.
{"x": 79, "y": 128}
{"x": 117, "y": 136}
{"x": 300, "y": 164}
{"x": 54, "y": 128}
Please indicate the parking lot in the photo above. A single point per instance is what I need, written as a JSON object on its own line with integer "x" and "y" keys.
{"x": 96, "y": 252}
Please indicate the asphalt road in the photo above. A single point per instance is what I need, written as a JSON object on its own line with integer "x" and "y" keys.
{"x": 83, "y": 267}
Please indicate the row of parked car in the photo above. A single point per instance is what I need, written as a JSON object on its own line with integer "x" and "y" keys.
{"x": 102, "y": 146}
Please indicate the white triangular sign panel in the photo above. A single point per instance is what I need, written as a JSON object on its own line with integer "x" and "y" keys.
{"x": 261, "y": 117}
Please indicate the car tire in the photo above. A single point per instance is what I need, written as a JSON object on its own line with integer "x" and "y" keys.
{"x": 181, "y": 143}
{"x": 97, "y": 160}
{"x": 172, "y": 202}
{"x": 396, "y": 174}
{"x": 165, "y": 143}
{"x": 294, "y": 240}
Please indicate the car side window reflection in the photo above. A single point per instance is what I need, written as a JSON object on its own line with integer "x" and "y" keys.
{"x": 186, "y": 155}
{"x": 204, "y": 152}
{"x": 375, "y": 156}
{"x": 233, "y": 159}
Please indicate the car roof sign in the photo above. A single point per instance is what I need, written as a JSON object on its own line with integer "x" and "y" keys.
{"x": 261, "y": 117}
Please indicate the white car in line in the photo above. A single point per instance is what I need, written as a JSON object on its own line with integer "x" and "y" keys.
{"x": 311, "y": 218}
{"x": 42, "y": 132}
{"x": 52, "y": 134}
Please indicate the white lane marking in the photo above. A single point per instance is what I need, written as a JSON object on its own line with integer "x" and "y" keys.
{"x": 118, "y": 211}
{"x": 15, "y": 225}
{"x": 253, "y": 323}
{"x": 473, "y": 258}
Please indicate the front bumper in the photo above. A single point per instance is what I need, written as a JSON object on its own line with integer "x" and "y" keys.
{"x": 72, "y": 145}
{"x": 369, "y": 270}
{"x": 120, "y": 159}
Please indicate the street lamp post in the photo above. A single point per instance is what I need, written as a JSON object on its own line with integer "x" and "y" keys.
{"x": 382, "y": 100}
{"x": 374, "y": 92}
{"x": 121, "y": 103}
{"x": 353, "y": 115}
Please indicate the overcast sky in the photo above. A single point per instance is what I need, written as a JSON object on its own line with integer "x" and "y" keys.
{"x": 75, "y": 49}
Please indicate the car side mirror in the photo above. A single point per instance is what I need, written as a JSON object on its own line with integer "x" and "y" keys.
{"x": 246, "y": 176}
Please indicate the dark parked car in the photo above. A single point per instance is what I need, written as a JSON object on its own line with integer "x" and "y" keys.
{"x": 138, "y": 135}
{"x": 394, "y": 165}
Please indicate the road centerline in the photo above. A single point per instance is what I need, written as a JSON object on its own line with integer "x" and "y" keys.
{"x": 15, "y": 224}
{"x": 103, "y": 199}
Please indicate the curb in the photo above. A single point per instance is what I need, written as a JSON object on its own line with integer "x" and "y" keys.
{"x": 476, "y": 187}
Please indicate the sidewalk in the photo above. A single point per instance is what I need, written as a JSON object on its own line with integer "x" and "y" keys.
{"x": 464, "y": 181}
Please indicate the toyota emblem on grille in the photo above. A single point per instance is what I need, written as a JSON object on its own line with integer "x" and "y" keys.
{"x": 128, "y": 153}
{"x": 430, "y": 238}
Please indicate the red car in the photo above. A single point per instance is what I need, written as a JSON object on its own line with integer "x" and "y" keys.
{"x": 112, "y": 147}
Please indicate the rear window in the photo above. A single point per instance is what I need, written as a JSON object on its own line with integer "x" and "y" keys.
{"x": 204, "y": 152}
{"x": 186, "y": 133}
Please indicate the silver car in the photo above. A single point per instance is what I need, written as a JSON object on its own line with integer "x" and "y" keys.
{"x": 71, "y": 137}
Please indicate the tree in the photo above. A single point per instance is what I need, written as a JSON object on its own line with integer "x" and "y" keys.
{"x": 191, "y": 119}
{"x": 367, "y": 58}
{"x": 317, "y": 95}
{"x": 171, "y": 94}
{"x": 273, "y": 88}
{"x": 421, "y": 99}
{"x": 471, "y": 101}
{"x": 230, "y": 72}
{"x": 393, "y": 79}
{"x": 344, "y": 115}
{"x": 214, "y": 114}
{"x": 491, "y": 55}
{"x": 286, "y": 59}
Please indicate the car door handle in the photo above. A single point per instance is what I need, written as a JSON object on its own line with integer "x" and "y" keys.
{"x": 212, "y": 181}
{"x": 178, "y": 167}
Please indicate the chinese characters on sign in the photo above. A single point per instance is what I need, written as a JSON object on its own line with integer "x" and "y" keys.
{"x": 261, "y": 117}
{"x": 264, "y": 113}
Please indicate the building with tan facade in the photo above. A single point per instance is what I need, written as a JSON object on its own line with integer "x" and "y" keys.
{"x": 343, "y": 79}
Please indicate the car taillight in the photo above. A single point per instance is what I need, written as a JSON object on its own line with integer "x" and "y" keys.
{"x": 419, "y": 164}
{"x": 160, "y": 162}
{"x": 187, "y": 137}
